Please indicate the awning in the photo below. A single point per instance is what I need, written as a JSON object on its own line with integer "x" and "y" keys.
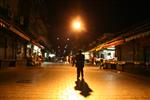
{"x": 115, "y": 43}
{"x": 19, "y": 33}
{"x": 37, "y": 44}
{"x": 109, "y": 44}
{"x": 13, "y": 29}
{"x": 120, "y": 40}
{"x": 137, "y": 36}
{"x": 99, "y": 47}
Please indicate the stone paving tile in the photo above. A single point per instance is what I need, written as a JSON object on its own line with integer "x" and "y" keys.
{"x": 56, "y": 82}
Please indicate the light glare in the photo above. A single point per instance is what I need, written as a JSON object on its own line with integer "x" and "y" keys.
{"x": 77, "y": 25}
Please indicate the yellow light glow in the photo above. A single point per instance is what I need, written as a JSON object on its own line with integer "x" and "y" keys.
{"x": 77, "y": 25}
{"x": 70, "y": 94}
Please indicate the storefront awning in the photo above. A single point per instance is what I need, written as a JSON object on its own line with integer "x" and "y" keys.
{"x": 115, "y": 43}
{"x": 99, "y": 47}
{"x": 22, "y": 35}
{"x": 137, "y": 36}
{"x": 120, "y": 40}
{"x": 13, "y": 29}
{"x": 37, "y": 44}
{"x": 109, "y": 44}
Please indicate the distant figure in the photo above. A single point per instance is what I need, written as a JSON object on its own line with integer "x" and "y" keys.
{"x": 39, "y": 60}
{"x": 79, "y": 61}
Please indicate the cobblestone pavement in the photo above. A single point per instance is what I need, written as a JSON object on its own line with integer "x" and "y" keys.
{"x": 58, "y": 82}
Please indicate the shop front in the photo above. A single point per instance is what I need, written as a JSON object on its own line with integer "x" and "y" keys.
{"x": 34, "y": 54}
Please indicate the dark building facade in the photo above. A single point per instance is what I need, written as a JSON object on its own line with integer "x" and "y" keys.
{"x": 19, "y": 27}
{"x": 135, "y": 53}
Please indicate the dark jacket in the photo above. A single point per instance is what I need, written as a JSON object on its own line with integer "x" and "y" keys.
{"x": 79, "y": 59}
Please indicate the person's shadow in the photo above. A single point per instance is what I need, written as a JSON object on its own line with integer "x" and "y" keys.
{"x": 82, "y": 86}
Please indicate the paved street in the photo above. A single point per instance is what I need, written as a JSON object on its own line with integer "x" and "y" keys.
{"x": 58, "y": 82}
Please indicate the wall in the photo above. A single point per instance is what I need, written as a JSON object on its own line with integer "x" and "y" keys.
{"x": 7, "y": 42}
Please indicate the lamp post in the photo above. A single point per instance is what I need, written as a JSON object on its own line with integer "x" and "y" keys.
{"x": 77, "y": 28}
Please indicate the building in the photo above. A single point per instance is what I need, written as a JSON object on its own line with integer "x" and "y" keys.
{"x": 18, "y": 39}
{"x": 131, "y": 50}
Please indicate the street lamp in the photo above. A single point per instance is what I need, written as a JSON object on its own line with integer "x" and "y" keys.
{"x": 77, "y": 24}
{"x": 78, "y": 29}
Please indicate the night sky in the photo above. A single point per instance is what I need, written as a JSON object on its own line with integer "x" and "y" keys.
{"x": 99, "y": 16}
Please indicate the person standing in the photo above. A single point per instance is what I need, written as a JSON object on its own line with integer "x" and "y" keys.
{"x": 79, "y": 62}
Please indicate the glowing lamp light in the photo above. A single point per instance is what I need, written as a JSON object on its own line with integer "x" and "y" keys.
{"x": 77, "y": 24}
